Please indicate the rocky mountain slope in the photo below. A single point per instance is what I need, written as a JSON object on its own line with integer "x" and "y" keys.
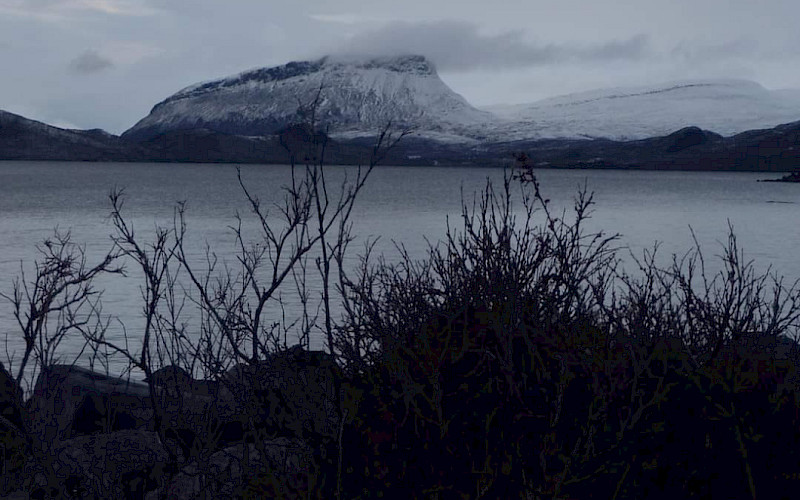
{"x": 25, "y": 139}
{"x": 357, "y": 98}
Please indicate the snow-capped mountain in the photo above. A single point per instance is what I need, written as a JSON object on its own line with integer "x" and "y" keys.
{"x": 723, "y": 106}
{"x": 358, "y": 98}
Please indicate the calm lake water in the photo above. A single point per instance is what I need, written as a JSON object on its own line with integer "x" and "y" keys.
{"x": 399, "y": 204}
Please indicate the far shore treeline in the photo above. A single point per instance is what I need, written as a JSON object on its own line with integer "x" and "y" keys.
{"x": 768, "y": 150}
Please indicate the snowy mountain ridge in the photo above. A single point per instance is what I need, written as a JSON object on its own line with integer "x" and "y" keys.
{"x": 727, "y": 107}
{"x": 672, "y": 88}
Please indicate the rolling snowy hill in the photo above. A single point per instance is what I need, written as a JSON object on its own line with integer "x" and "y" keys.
{"x": 723, "y": 106}
{"x": 358, "y": 97}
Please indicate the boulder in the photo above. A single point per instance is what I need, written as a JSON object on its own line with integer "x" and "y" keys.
{"x": 292, "y": 393}
{"x": 176, "y": 380}
{"x": 198, "y": 414}
{"x": 124, "y": 464}
{"x": 68, "y": 401}
{"x": 225, "y": 474}
{"x": 13, "y": 445}
{"x": 171, "y": 377}
{"x": 76, "y": 415}
{"x": 198, "y": 422}
{"x": 17, "y": 495}
{"x": 10, "y": 399}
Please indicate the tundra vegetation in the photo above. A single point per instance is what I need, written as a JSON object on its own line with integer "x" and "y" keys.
{"x": 517, "y": 359}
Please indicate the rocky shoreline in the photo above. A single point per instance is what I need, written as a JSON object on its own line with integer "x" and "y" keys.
{"x": 793, "y": 177}
{"x": 83, "y": 434}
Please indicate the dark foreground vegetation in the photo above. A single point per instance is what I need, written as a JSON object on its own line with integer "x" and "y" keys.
{"x": 518, "y": 359}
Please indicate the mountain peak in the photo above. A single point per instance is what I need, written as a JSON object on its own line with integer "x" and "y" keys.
{"x": 359, "y": 95}
{"x": 413, "y": 64}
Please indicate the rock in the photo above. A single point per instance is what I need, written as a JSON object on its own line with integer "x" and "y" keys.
{"x": 10, "y": 399}
{"x": 178, "y": 379}
{"x": 101, "y": 414}
{"x": 194, "y": 421}
{"x": 17, "y": 495}
{"x": 225, "y": 476}
{"x": 292, "y": 393}
{"x": 791, "y": 177}
{"x": 124, "y": 464}
{"x": 69, "y": 401}
{"x": 171, "y": 376}
{"x": 82, "y": 418}
{"x": 13, "y": 446}
{"x": 198, "y": 414}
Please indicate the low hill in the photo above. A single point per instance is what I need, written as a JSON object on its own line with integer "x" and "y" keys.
{"x": 25, "y": 139}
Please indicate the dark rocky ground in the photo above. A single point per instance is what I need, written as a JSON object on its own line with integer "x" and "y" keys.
{"x": 83, "y": 434}
{"x": 283, "y": 427}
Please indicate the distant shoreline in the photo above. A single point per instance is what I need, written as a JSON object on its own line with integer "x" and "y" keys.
{"x": 441, "y": 164}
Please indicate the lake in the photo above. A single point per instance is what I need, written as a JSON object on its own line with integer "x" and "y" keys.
{"x": 399, "y": 204}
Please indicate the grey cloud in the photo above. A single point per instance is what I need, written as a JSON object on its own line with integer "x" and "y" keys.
{"x": 458, "y": 46}
{"x": 633, "y": 48}
{"x": 90, "y": 62}
{"x": 698, "y": 51}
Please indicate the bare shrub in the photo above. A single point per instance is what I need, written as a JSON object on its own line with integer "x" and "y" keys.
{"x": 518, "y": 359}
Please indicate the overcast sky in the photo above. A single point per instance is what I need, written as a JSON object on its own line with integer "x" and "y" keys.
{"x": 105, "y": 63}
